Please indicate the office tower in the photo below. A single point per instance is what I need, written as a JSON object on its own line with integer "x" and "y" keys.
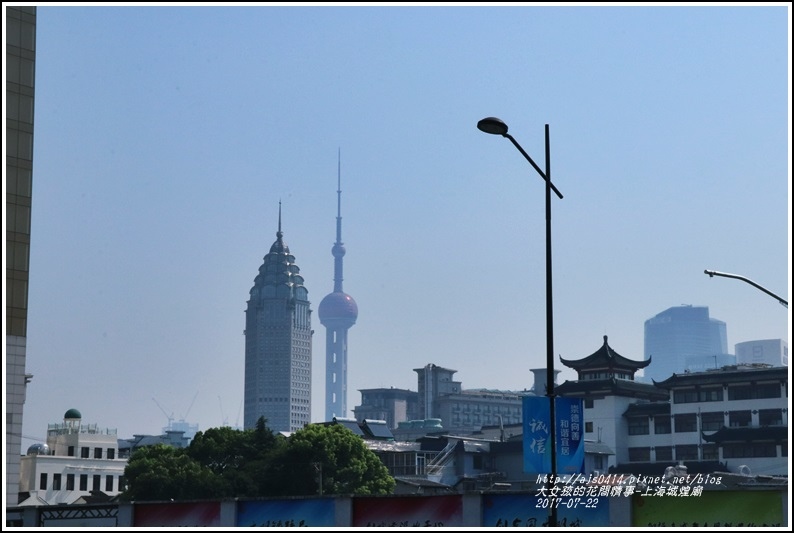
{"x": 338, "y": 312}
{"x": 278, "y": 344}
{"x": 681, "y": 334}
{"x": 20, "y": 35}
{"x": 768, "y": 351}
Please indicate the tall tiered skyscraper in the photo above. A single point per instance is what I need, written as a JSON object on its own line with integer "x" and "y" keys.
{"x": 278, "y": 344}
{"x": 338, "y": 312}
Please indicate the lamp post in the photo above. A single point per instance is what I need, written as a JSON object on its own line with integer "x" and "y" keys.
{"x": 495, "y": 126}
{"x": 713, "y": 273}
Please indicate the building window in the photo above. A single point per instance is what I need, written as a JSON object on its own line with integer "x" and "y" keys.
{"x": 588, "y": 427}
{"x": 56, "y": 482}
{"x": 710, "y": 394}
{"x": 706, "y": 394}
{"x": 83, "y": 482}
{"x": 70, "y": 451}
{"x": 664, "y": 453}
{"x": 111, "y": 453}
{"x": 97, "y": 483}
{"x": 770, "y": 417}
{"x": 639, "y": 454}
{"x": 685, "y": 423}
{"x": 84, "y": 452}
{"x": 686, "y": 452}
{"x": 753, "y": 392}
{"x": 739, "y": 419}
{"x": 685, "y": 396}
{"x": 97, "y": 453}
{"x": 661, "y": 424}
{"x": 749, "y": 449}
{"x": 712, "y": 421}
{"x": 598, "y": 462}
{"x": 43, "y": 481}
{"x": 711, "y": 452}
{"x": 588, "y": 403}
{"x": 638, "y": 425}
{"x": 69, "y": 481}
{"x": 108, "y": 483}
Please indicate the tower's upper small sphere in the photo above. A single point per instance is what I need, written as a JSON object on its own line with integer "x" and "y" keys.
{"x": 338, "y": 306}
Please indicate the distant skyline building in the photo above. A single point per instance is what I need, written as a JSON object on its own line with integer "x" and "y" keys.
{"x": 389, "y": 404}
{"x": 682, "y": 338}
{"x": 278, "y": 344}
{"x": 767, "y": 351}
{"x": 338, "y": 312}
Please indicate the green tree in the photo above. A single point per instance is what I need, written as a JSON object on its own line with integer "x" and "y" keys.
{"x": 225, "y": 462}
{"x": 163, "y": 472}
{"x": 241, "y": 458}
{"x": 330, "y": 456}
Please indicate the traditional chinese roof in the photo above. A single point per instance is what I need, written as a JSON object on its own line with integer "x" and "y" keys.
{"x": 727, "y": 374}
{"x": 648, "y": 408}
{"x": 597, "y": 448}
{"x": 605, "y": 358}
{"x": 657, "y": 469}
{"x": 745, "y": 434}
{"x": 610, "y": 387}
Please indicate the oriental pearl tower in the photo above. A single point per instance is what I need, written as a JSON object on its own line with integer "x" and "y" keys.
{"x": 338, "y": 312}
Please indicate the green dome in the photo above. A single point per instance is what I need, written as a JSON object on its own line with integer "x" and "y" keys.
{"x": 73, "y": 413}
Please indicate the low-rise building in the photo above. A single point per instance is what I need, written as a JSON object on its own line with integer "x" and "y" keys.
{"x": 78, "y": 461}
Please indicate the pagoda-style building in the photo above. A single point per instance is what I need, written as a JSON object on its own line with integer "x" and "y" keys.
{"x": 607, "y": 386}
{"x": 606, "y": 372}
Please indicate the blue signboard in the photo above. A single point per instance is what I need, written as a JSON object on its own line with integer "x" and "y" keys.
{"x": 569, "y": 413}
{"x": 569, "y": 428}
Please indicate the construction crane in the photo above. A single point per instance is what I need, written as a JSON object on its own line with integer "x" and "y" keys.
{"x": 169, "y": 417}
{"x": 190, "y": 407}
{"x": 224, "y": 420}
{"x": 237, "y": 420}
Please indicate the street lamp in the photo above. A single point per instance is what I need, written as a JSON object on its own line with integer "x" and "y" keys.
{"x": 495, "y": 126}
{"x": 713, "y": 273}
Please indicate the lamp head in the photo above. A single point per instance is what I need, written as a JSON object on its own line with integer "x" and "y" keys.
{"x": 493, "y": 126}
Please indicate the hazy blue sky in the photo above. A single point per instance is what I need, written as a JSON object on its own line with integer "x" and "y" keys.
{"x": 166, "y": 136}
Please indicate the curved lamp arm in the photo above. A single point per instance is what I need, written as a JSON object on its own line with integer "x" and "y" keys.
{"x": 713, "y": 273}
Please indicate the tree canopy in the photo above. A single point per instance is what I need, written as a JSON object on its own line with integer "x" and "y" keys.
{"x": 225, "y": 462}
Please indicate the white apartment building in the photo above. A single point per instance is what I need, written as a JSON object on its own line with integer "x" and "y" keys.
{"x": 79, "y": 461}
{"x": 737, "y": 415}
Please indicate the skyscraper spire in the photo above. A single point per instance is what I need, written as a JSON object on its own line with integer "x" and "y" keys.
{"x": 278, "y": 233}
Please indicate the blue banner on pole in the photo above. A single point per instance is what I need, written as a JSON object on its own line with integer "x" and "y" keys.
{"x": 537, "y": 444}
{"x": 569, "y": 438}
{"x": 569, "y": 435}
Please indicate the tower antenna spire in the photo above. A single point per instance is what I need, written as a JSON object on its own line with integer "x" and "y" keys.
{"x": 279, "y": 234}
{"x": 338, "y": 249}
